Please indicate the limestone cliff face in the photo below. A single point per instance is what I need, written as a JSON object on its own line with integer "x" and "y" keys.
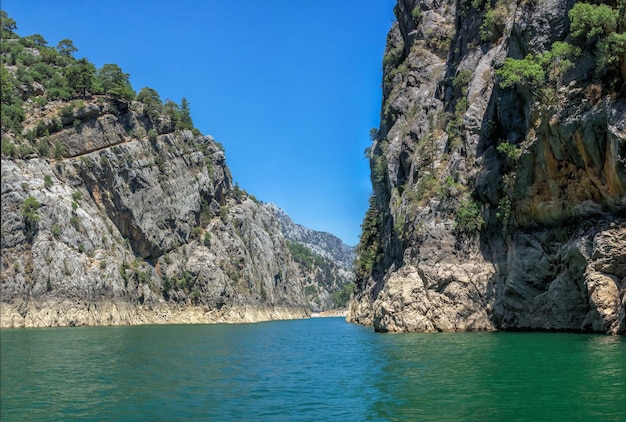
{"x": 495, "y": 205}
{"x": 322, "y": 243}
{"x": 126, "y": 228}
{"x": 327, "y": 268}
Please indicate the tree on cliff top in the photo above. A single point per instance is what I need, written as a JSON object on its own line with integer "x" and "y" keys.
{"x": 7, "y": 26}
{"x": 80, "y": 76}
{"x": 115, "y": 82}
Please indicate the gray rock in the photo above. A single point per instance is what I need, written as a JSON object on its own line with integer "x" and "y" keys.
{"x": 132, "y": 229}
{"x": 544, "y": 248}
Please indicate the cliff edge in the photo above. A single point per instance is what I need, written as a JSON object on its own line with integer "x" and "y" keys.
{"x": 498, "y": 170}
{"x": 116, "y": 210}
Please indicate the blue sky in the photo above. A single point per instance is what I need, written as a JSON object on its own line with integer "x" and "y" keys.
{"x": 290, "y": 88}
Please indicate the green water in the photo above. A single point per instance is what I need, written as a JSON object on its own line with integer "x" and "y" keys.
{"x": 309, "y": 370}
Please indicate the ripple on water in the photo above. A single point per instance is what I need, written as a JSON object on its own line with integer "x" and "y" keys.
{"x": 317, "y": 369}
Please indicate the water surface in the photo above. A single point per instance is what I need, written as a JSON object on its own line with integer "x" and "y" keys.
{"x": 317, "y": 369}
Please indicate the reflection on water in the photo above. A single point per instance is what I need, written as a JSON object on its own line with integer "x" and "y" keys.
{"x": 319, "y": 369}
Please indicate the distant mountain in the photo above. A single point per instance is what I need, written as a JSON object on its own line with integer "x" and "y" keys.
{"x": 325, "y": 262}
{"x": 321, "y": 243}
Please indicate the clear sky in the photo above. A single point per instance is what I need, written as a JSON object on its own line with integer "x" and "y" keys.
{"x": 291, "y": 88}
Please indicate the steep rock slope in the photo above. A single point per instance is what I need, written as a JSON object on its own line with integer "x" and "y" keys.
{"x": 125, "y": 228}
{"x": 499, "y": 173}
{"x": 322, "y": 243}
{"x": 329, "y": 266}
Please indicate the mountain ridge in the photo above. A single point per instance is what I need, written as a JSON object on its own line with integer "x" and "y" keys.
{"x": 116, "y": 210}
{"x": 321, "y": 242}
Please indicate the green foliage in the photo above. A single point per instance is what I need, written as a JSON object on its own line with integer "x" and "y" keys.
{"x": 29, "y": 213}
{"x": 66, "y": 48}
{"x": 310, "y": 290}
{"x": 612, "y": 51}
{"x": 7, "y": 25}
{"x": 43, "y": 148}
{"x": 50, "y": 56}
{"x": 40, "y": 101}
{"x": 184, "y": 120}
{"x": 12, "y": 116}
{"x": 195, "y": 294}
{"x": 80, "y": 76}
{"x": 8, "y": 148}
{"x": 468, "y": 217}
{"x": 425, "y": 187}
{"x": 11, "y": 112}
{"x": 29, "y": 209}
{"x": 195, "y": 232}
{"x": 152, "y": 134}
{"x": 526, "y": 71}
{"x": 171, "y": 109}
{"x": 205, "y": 213}
{"x": 446, "y": 189}
{"x": 535, "y": 70}
{"x": 504, "y": 211}
{"x": 253, "y": 198}
{"x": 416, "y": 14}
{"x": 123, "y": 272}
{"x": 380, "y": 169}
{"x": 207, "y": 239}
{"x": 58, "y": 88}
{"x": 341, "y": 298}
{"x": 56, "y": 231}
{"x": 223, "y": 212}
{"x": 59, "y": 150}
{"x": 151, "y": 101}
{"x": 115, "y": 82}
{"x": 301, "y": 254}
{"x": 588, "y": 20}
{"x": 47, "y": 181}
{"x": 208, "y": 163}
{"x": 42, "y": 72}
{"x": 392, "y": 56}
{"x": 461, "y": 81}
{"x": 607, "y": 25}
{"x": 185, "y": 281}
{"x": 24, "y": 150}
{"x": 494, "y": 22}
{"x": 374, "y": 133}
{"x": 454, "y": 127}
{"x": 512, "y": 151}
{"x": 369, "y": 246}
{"x": 77, "y": 196}
{"x": 557, "y": 61}
{"x": 167, "y": 286}
{"x": 36, "y": 40}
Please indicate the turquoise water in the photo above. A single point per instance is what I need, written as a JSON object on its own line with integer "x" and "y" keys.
{"x": 309, "y": 370}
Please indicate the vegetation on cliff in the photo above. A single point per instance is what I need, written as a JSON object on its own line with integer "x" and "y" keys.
{"x": 501, "y": 129}
{"x": 115, "y": 209}
{"x": 35, "y": 76}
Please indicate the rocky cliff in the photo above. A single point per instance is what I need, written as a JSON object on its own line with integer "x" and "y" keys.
{"x": 114, "y": 212}
{"x": 128, "y": 229}
{"x": 498, "y": 170}
{"x": 324, "y": 260}
{"x": 322, "y": 243}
